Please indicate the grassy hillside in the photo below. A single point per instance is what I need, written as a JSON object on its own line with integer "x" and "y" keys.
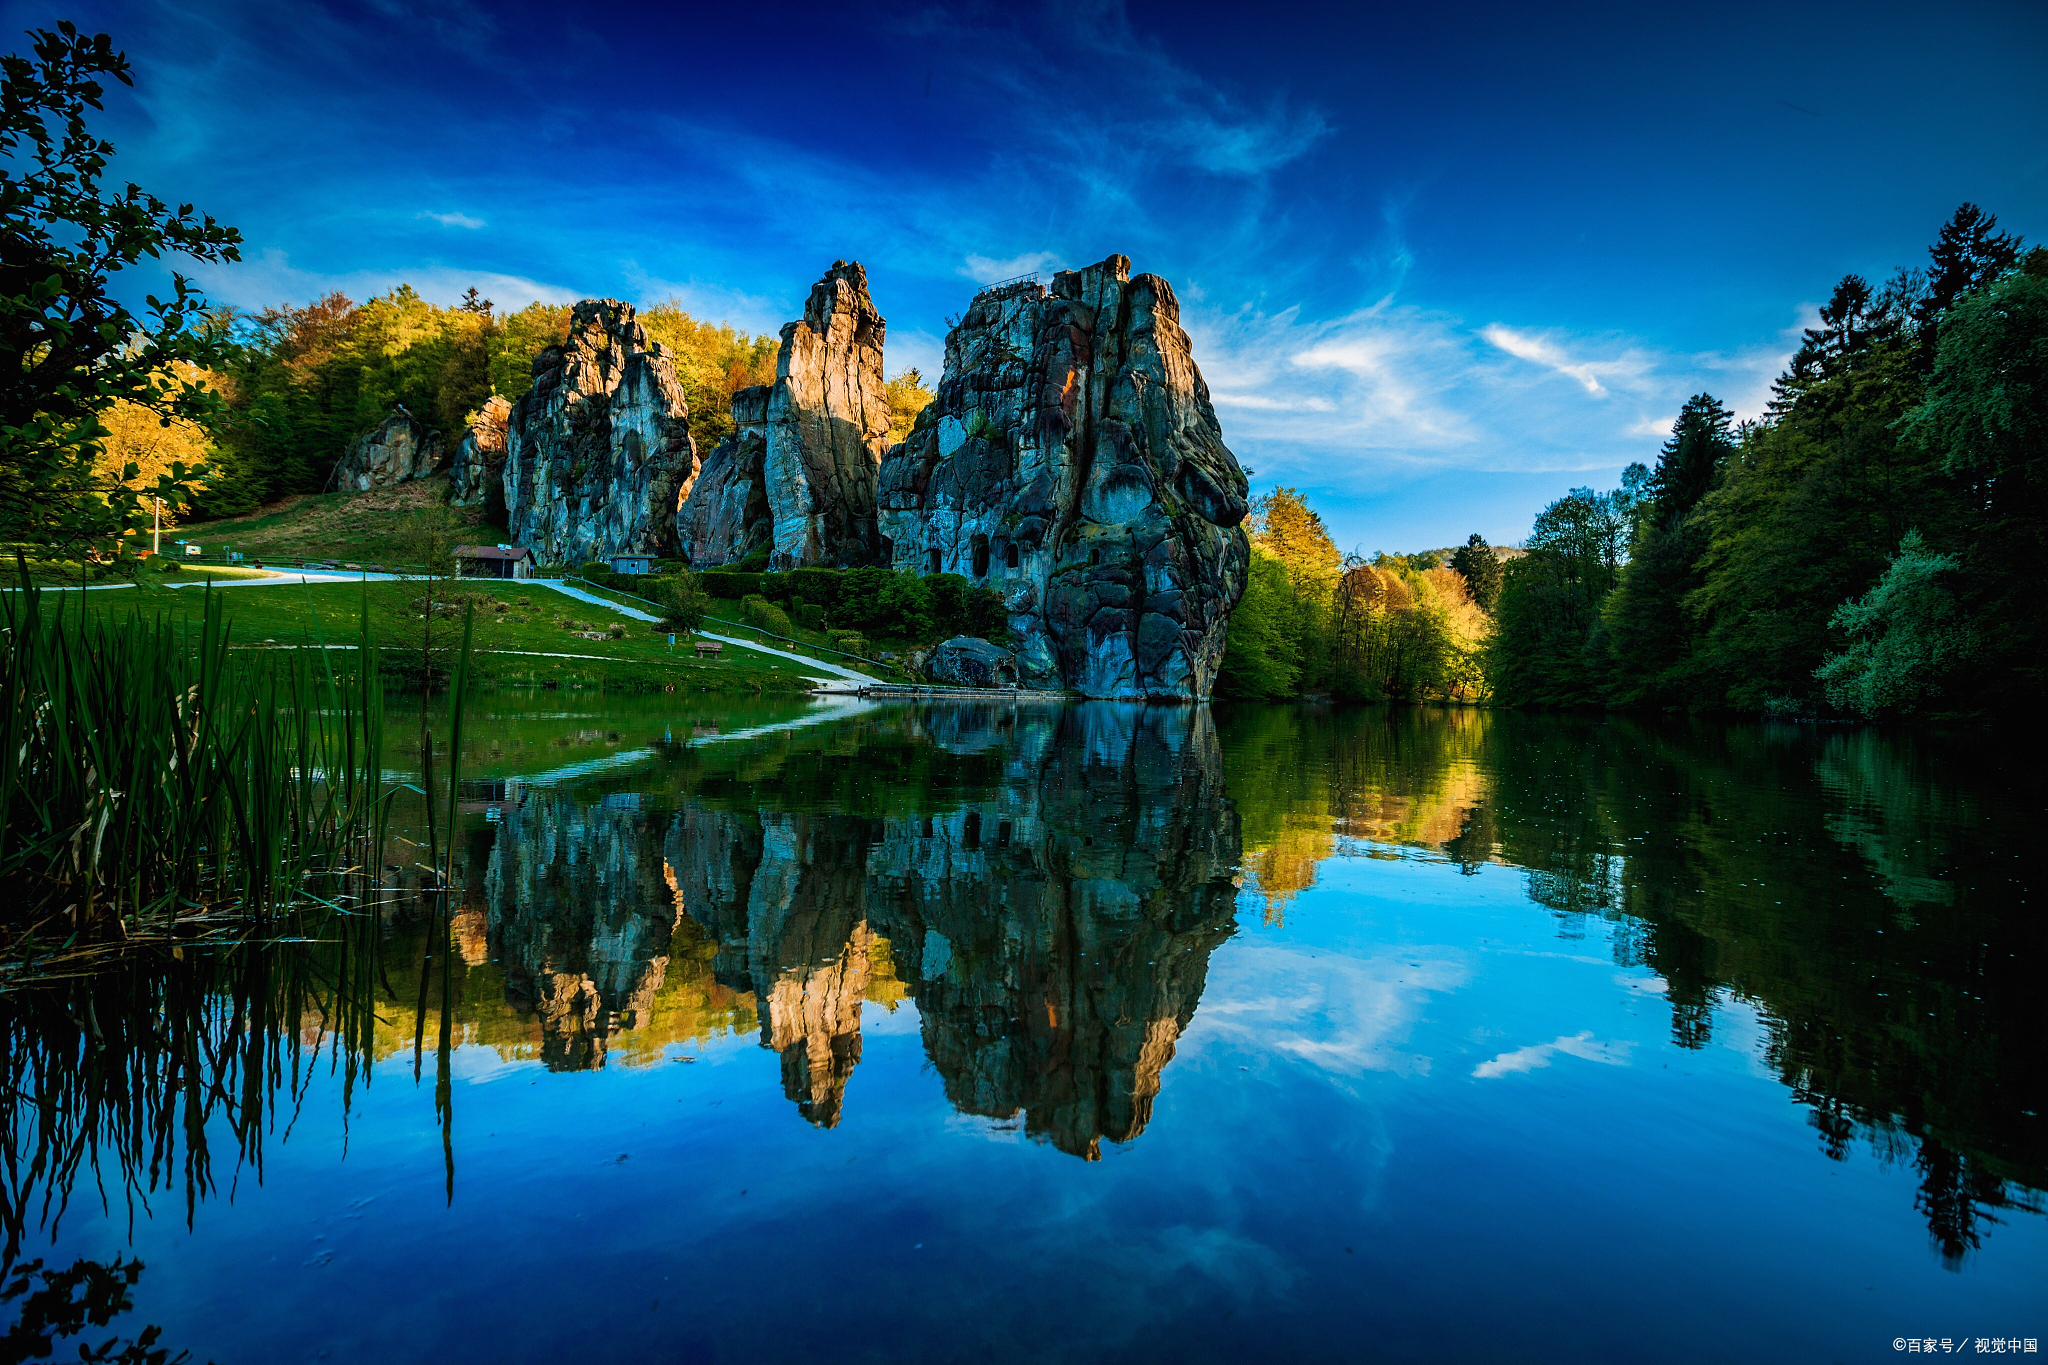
{"x": 359, "y": 528}
{"x": 536, "y": 640}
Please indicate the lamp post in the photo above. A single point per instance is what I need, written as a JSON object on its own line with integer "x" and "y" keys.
{"x": 156, "y": 532}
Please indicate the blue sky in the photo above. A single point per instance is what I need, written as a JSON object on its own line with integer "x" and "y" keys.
{"x": 1440, "y": 262}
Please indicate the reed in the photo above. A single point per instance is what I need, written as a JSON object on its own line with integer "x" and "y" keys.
{"x": 155, "y": 780}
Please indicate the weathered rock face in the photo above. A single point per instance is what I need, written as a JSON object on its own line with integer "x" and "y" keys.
{"x": 399, "y": 449}
{"x": 800, "y": 473}
{"x": 598, "y": 451}
{"x": 964, "y": 661}
{"x": 781, "y": 896}
{"x": 477, "y": 477}
{"x": 1073, "y": 461}
{"x": 579, "y": 904}
{"x": 726, "y": 517}
{"x": 1055, "y": 932}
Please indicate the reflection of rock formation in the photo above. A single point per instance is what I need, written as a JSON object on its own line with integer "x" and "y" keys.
{"x": 782, "y": 895}
{"x": 581, "y": 908}
{"x": 1055, "y": 933}
{"x": 1072, "y": 461}
{"x": 1057, "y": 936}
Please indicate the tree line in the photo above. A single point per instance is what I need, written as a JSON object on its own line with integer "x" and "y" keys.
{"x": 1865, "y": 548}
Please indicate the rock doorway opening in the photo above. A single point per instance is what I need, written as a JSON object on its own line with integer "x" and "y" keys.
{"x": 981, "y": 556}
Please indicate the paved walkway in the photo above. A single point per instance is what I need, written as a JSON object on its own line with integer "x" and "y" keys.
{"x": 813, "y": 666}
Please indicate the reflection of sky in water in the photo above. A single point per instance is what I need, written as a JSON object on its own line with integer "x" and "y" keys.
{"x": 1413, "y": 1113}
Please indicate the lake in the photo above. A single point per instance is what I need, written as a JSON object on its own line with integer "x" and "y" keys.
{"x": 855, "y": 1031}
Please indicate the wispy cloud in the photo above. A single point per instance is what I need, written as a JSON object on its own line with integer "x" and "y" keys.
{"x": 1582, "y": 1045}
{"x": 1542, "y": 349}
{"x": 270, "y": 278}
{"x": 1336, "y": 1014}
{"x": 458, "y": 220}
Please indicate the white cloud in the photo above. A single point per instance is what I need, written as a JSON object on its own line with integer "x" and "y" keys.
{"x": 1337, "y": 1014}
{"x": 1395, "y": 391}
{"x": 1540, "y": 349}
{"x": 271, "y": 278}
{"x": 1582, "y": 1045}
{"x": 983, "y": 270}
{"x": 460, "y": 220}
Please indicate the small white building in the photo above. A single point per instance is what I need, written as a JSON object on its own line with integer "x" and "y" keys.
{"x": 632, "y": 563}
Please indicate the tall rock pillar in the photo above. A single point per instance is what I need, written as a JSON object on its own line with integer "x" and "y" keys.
{"x": 598, "y": 451}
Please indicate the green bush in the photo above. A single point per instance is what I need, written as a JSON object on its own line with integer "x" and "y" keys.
{"x": 594, "y": 571}
{"x": 756, "y": 562}
{"x": 811, "y": 617}
{"x": 758, "y": 611}
{"x": 729, "y": 585}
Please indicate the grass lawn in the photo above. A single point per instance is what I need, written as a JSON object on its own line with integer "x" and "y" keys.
{"x": 798, "y": 640}
{"x": 513, "y": 647}
{"x": 360, "y": 528}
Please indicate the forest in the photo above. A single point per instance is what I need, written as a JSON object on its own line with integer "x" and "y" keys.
{"x": 1865, "y": 549}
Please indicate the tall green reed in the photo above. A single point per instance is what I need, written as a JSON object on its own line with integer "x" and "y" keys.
{"x": 149, "y": 772}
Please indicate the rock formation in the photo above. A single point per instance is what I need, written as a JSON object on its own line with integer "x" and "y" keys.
{"x": 477, "y": 477}
{"x": 726, "y": 517}
{"x": 964, "y": 661}
{"x": 1073, "y": 461}
{"x": 800, "y": 475}
{"x": 598, "y": 451}
{"x": 398, "y": 450}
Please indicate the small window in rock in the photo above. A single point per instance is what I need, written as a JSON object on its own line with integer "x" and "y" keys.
{"x": 934, "y": 557}
{"x": 970, "y": 837}
{"x": 888, "y": 550}
{"x": 1094, "y": 556}
{"x": 1010, "y": 556}
{"x": 1003, "y": 833}
{"x": 981, "y": 556}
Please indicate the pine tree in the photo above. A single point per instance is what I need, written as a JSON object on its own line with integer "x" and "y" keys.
{"x": 1480, "y": 567}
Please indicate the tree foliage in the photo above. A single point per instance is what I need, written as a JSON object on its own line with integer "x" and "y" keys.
{"x": 1867, "y": 545}
{"x": 69, "y": 350}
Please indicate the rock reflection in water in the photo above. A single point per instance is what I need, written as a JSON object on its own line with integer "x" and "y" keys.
{"x": 1054, "y": 926}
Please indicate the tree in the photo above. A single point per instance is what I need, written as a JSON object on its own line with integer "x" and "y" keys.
{"x": 684, "y": 603}
{"x": 69, "y": 351}
{"x": 1907, "y": 636}
{"x": 1480, "y": 567}
{"x": 1648, "y": 635}
{"x": 908, "y": 397}
{"x": 1968, "y": 254}
{"x": 1260, "y": 657}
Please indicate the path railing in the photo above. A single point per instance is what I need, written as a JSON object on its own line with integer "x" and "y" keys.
{"x": 735, "y": 625}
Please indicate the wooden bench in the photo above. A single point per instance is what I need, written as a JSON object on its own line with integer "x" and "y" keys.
{"x": 709, "y": 649}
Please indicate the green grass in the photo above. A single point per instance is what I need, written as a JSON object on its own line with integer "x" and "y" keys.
{"x": 509, "y": 652}
{"x": 796, "y": 639}
{"x": 336, "y": 528}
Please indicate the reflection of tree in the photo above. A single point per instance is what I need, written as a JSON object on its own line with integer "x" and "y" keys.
{"x": 1792, "y": 871}
{"x": 50, "y": 1305}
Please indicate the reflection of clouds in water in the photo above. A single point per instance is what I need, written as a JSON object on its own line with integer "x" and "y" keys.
{"x": 1581, "y": 1044}
{"x": 1339, "y": 1014}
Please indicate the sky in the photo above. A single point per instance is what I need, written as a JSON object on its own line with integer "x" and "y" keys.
{"x": 1440, "y": 262}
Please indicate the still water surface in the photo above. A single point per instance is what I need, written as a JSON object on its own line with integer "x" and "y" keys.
{"x": 970, "y": 1032}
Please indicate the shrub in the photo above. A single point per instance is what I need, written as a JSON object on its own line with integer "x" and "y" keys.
{"x": 758, "y": 611}
{"x": 810, "y": 617}
{"x": 617, "y": 631}
{"x": 729, "y": 585}
{"x": 684, "y": 602}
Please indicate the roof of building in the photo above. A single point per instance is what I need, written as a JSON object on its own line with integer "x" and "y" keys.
{"x": 514, "y": 552}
